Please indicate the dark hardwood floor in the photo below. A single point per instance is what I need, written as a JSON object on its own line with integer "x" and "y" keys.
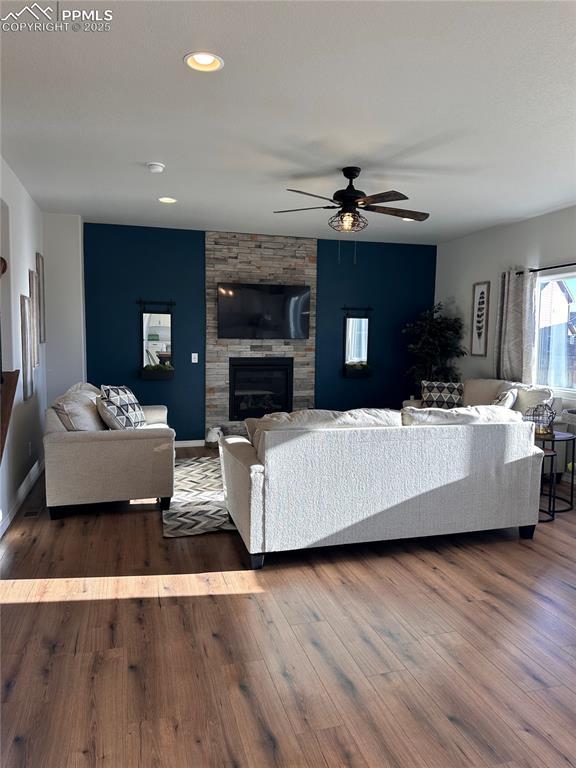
{"x": 124, "y": 649}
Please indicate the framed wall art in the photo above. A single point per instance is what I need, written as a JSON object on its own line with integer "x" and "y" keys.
{"x": 33, "y": 290}
{"x": 41, "y": 298}
{"x": 479, "y": 319}
{"x": 26, "y": 334}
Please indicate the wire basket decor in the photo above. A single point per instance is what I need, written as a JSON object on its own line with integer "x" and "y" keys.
{"x": 543, "y": 417}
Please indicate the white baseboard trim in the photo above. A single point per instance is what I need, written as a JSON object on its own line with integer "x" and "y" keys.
{"x": 21, "y": 494}
{"x": 189, "y": 443}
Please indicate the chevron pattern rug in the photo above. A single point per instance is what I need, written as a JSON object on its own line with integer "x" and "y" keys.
{"x": 198, "y": 501}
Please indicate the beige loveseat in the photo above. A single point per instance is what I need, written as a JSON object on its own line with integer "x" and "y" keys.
{"x": 95, "y": 464}
{"x": 485, "y": 391}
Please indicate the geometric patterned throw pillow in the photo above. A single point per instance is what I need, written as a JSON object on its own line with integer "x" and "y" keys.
{"x": 441, "y": 394}
{"x": 120, "y": 409}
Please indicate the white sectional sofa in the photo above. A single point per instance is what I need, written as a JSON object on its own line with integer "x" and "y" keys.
{"x": 313, "y": 487}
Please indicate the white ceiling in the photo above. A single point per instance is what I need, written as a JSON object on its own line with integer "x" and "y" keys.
{"x": 469, "y": 108}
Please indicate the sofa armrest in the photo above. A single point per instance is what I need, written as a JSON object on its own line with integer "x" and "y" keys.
{"x": 155, "y": 414}
{"x": 412, "y": 404}
{"x": 107, "y": 436}
{"x": 243, "y": 476}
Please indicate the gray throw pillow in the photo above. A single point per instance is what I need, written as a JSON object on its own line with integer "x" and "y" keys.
{"x": 442, "y": 394}
{"x": 120, "y": 408}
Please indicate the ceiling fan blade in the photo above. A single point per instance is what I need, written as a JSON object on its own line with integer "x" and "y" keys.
{"x": 314, "y": 208}
{"x": 381, "y": 197}
{"x": 320, "y": 197}
{"x": 400, "y": 212}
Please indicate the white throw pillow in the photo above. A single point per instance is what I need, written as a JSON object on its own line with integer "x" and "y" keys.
{"x": 471, "y": 414}
{"x": 529, "y": 395}
{"x": 507, "y": 398}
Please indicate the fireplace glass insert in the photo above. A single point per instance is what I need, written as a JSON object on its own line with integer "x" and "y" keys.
{"x": 260, "y": 385}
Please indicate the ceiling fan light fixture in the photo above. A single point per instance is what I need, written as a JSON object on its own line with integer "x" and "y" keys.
{"x": 406, "y": 219}
{"x": 348, "y": 221}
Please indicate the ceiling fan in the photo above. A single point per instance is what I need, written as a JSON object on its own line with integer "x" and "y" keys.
{"x": 351, "y": 201}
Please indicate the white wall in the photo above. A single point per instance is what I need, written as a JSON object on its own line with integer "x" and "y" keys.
{"x": 65, "y": 326}
{"x": 21, "y": 239}
{"x": 543, "y": 241}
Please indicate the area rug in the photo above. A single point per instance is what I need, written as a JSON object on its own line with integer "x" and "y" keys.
{"x": 198, "y": 502}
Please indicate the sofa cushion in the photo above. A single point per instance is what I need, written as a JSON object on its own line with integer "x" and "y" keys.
{"x": 506, "y": 398}
{"x": 441, "y": 394}
{"x": 120, "y": 408}
{"x": 472, "y": 414}
{"x": 321, "y": 419}
{"x": 482, "y": 391}
{"x": 78, "y": 412}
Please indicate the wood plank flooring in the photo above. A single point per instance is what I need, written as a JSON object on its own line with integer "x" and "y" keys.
{"x": 124, "y": 649}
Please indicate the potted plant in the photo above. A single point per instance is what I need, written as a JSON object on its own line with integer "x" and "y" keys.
{"x": 434, "y": 343}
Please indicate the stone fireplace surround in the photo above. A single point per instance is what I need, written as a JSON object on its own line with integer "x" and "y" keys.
{"x": 245, "y": 258}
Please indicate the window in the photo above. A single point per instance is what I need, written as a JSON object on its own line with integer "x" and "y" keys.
{"x": 556, "y": 344}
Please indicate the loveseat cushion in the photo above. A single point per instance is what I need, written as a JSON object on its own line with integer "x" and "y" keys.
{"x": 77, "y": 409}
{"x": 472, "y": 414}
{"x": 120, "y": 408}
{"x": 321, "y": 419}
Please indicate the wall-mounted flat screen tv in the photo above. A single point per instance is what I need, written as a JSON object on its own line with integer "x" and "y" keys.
{"x": 263, "y": 311}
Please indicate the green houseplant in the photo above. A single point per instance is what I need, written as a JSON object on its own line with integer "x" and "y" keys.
{"x": 434, "y": 343}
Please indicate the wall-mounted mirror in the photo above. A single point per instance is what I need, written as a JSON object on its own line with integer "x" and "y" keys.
{"x": 356, "y": 333}
{"x": 157, "y": 345}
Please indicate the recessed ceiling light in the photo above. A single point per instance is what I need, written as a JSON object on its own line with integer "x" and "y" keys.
{"x": 155, "y": 167}
{"x": 167, "y": 200}
{"x": 204, "y": 61}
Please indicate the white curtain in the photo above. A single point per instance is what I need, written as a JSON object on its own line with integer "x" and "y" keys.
{"x": 516, "y": 332}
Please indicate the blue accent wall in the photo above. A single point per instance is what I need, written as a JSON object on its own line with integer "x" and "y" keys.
{"x": 123, "y": 264}
{"x": 397, "y": 281}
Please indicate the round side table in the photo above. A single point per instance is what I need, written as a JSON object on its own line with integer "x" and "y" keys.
{"x": 561, "y": 437}
{"x": 550, "y": 511}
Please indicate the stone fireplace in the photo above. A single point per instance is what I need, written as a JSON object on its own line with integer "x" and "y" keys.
{"x": 244, "y": 258}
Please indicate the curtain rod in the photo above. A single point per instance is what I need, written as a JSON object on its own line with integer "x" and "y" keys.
{"x": 544, "y": 269}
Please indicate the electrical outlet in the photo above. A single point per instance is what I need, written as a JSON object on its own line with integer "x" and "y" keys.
{"x": 194, "y": 357}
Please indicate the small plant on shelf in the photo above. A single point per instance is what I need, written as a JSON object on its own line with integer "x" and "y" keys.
{"x": 159, "y": 367}
{"x": 157, "y": 371}
{"x": 357, "y": 370}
